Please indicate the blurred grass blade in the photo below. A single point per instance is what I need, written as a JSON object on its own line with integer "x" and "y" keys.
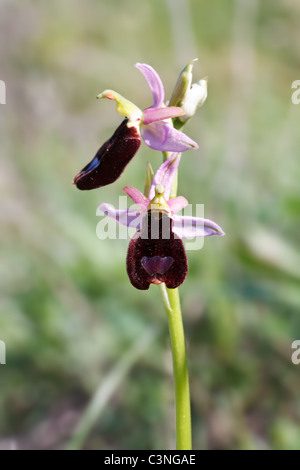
{"x": 273, "y": 250}
{"x": 108, "y": 387}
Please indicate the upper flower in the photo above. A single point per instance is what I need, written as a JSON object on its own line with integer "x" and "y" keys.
{"x": 157, "y": 132}
{"x": 153, "y": 124}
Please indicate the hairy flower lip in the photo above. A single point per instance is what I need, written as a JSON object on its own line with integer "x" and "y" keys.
{"x": 153, "y": 260}
{"x": 111, "y": 159}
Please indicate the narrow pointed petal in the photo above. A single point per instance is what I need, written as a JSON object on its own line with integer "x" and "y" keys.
{"x": 183, "y": 84}
{"x": 162, "y": 136}
{"x": 155, "y": 84}
{"x": 111, "y": 159}
{"x": 128, "y": 217}
{"x": 159, "y": 114}
{"x": 165, "y": 175}
{"x": 177, "y": 204}
{"x": 190, "y": 227}
{"x": 137, "y": 197}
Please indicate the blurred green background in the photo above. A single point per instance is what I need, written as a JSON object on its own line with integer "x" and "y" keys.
{"x": 73, "y": 325}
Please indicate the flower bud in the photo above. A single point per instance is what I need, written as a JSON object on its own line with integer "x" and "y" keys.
{"x": 183, "y": 84}
{"x": 194, "y": 98}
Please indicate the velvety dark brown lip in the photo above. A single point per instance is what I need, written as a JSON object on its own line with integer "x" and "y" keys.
{"x": 111, "y": 159}
{"x": 156, "y": 260}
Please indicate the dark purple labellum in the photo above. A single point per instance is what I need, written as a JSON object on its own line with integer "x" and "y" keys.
{"x": 156, "y": 264}
{"x": 153, "y": 260}
{"x": 111, "y": 159}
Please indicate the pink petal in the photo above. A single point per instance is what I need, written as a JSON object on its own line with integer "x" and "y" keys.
{"x": 190, "y": 227}
{"x": 177, "y": 203}
{"x": 137, "y": 197}
{"x": 155, "y": 84}
{"x": 159, "y": 114}
{"x": 165, "y": 175}
{"x": 128, "y": 217}
{"x": 162, "y": 136}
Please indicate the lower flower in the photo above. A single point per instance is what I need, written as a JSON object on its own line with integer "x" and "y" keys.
{"x": 156, "y": 253}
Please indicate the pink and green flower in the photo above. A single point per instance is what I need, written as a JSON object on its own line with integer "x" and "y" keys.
{"x": 156, "y": 253}
{"x": 153, "y": 126}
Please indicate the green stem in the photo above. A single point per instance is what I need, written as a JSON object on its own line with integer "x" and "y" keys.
{"x": 180, "y": 370}
{"x": 171, "y": 302}
{"x": 167, "y": 155}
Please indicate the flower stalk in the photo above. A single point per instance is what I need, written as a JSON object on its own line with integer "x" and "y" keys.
{"x": 171, "y": 302}
{"x": 172, "y": 305}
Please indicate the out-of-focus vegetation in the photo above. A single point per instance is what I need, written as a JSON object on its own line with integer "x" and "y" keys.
{"x": 68, "y": 312}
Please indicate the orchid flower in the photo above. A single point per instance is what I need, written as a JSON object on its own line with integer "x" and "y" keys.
{"x": 156, "y": 253}
{"x": 153, "y": 125}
